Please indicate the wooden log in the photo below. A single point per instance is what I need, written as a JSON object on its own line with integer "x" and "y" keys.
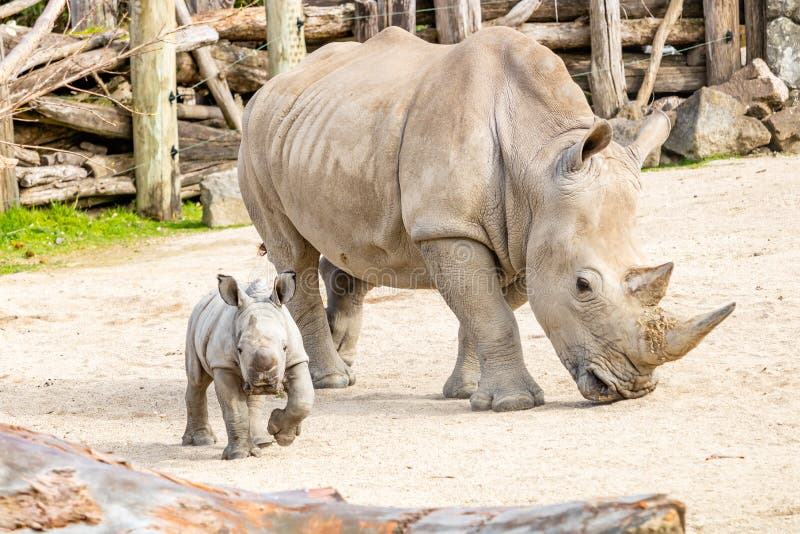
{"x": 200, "y": 6}
{"x": 322, "y": 23}
{"x": 9, "y": 189}
{"x": 213, "y": 77}
{"x": 569, "y": 10}
{"x": 755, "y": 24}
{"x": 196, "y": 112}
{"x": 456, "y": 19}
{"x": 517, "y": 15}
{"x": 105, "y": 121}
{"x": 203, "y": 143}
{"x": 35, "y": 176}
{"x": 673, "y": 75}
{"x": 365, "y": 24}
{"x": 88, "y": 14}
{"x": 48, "y": 54}
{"x": 640, "y": 32}
{"x": 65, "y": 484}
{"x": 607, "y": 80}
{"x": 102, "y": 166}
{"x": 672, "y": 14}
{"x": 155, "y": 132}
{"x": 246, "y": 70}
{"x": 12, "y": 62}
{"x": 71, "y": 190}
{"x": 722, "y": 33}
{"x": 39, "y": 134}
{"x": 193, "y": 172}
{"x": 194, "y": 37}
{"x": 10, "y": 9}
{"x": 58, "y": 74}
{"x": 25, "y": 157}
{"x": 287, "y": 46}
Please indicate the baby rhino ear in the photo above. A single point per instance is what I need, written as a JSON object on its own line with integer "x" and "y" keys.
{"x": 284, "y": 288}
{"x": 230, "y": 292}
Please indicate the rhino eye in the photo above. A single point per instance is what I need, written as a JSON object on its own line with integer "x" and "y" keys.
{"x": 583, "y": 285}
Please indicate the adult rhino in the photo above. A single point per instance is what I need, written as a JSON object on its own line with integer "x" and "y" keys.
{"x": 477, "y": 169}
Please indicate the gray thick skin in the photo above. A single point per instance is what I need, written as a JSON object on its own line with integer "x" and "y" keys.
{"x": 477, "y": 169}
{"x": 250, "y": 343}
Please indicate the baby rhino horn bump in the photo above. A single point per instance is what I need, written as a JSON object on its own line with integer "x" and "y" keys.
{"x": 649, "y": 284}
{"x": 687, "y": 336}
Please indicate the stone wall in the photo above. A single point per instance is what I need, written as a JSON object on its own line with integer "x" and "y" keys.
{"x": 783, "y": 40}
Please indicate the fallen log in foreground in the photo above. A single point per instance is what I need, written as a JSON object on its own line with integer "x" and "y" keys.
{"x": 48, "y": 483}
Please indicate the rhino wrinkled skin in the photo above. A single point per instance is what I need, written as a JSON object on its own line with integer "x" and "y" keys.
{"x": 477, "y": 169}
{"x": 247, "y": 343}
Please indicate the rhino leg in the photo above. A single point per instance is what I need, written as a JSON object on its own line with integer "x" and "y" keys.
{"x": 463, "y": 381}
{"x": 289, "y": 251}
{"x": 233, "y": 402}
{"x": 345, "y": 306}
{"x": 465, "y": 274}
{"x": 257, "y": 410}
{"x": 198, "y": 431}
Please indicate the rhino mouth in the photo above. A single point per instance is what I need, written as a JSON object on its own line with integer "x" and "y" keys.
{"x": 262, "y": 389}
{"x": 596, "y": 386}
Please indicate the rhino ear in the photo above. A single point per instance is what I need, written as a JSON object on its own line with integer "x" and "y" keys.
{"x": 596, "y": 139}
{"x": 284, "y": 288}
{"x": 230, "y": 292}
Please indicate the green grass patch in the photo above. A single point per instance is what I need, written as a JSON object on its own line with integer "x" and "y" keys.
{"x": 30, "y": 237}
{"x": 691, "y": 163}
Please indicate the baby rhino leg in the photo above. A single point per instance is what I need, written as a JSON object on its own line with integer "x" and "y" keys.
{"x": 233, "y": 402}
{"x": 345, "y": 305}
{"x": 256, "y": 406}
{"x": 198, "y": 431}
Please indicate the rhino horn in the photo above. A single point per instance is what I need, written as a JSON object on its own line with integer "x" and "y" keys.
{"x": 687, "y": 336}
{"x": 654, "y": 131}
{"x": 649, "y": 284}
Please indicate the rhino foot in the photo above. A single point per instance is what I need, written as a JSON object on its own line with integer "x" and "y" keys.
{"x": 460, "y": 387}
{"x": 238, "y": 451}
{"x": 199, "y": 438}
{"x": 342, "y": 377}
{"x": 507, "y": 397}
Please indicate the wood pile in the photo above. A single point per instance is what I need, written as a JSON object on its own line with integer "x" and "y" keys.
{"x": 74, "y": 90}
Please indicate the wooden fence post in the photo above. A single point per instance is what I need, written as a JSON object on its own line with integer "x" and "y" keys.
{"x": 403, "y": 14}
{"x": 155, "y": 122}
{"x": 607, "y": 80}
{"x": 755, "y": 24}
{"x": 722, "y": 32}
{"x": 287, "y": 45}
{"x": 85, "y": 14}
{"x": 365, "y": 24}
{"x": 9, "y": 188}
{"x": 456, "y": 19}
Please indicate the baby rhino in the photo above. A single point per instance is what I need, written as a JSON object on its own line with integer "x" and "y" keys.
{"x": 249, "y": 345}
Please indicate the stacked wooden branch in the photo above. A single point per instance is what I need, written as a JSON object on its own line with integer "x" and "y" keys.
{"x": 71, "y": 103}
{"x": 61, "y": 484}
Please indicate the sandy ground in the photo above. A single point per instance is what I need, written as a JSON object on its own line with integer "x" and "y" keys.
{"x": 94, "y": 353}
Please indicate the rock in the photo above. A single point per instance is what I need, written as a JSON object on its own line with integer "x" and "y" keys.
{"x": 755, "y": 83}
{"x": 758, "y": 110}
{"x": 625, "y": 132}
{"x": 222, "y": 200}
{"x": 794, "y": 99}
{"x": 783, "y": 50}
{"x": 783, "y": 8}
{"x": 785, "y": 128}
{"x": 711, "y": 122}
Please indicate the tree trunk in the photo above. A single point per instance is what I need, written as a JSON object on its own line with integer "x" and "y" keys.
{"x": 155, "y": 132}
{"x": 86, "y": 14}
{"x": 608, "y": 77}
{"x": 365, "y": 24}
{"x": 285, "y": 33}
{"x": 639, "y": 32}
{"x": 60, "y": 484}
{"x": 403, "y": 14}
{"x": 9, "y": 190}
{"x": 722, "y": 32}
{"x": 456, "y": 19}
{"x": 755, "y": 23}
